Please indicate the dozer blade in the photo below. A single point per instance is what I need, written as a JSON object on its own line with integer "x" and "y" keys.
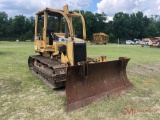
{"x": 102, "y": 79}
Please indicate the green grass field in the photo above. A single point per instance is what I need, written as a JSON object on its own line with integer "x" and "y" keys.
{"x": 23, "y": 96}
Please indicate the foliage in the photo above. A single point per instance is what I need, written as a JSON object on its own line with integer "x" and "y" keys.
{"x": 3, "y": 23}
{"x": 130, "y": 26}
{"x": 18, "y": 27}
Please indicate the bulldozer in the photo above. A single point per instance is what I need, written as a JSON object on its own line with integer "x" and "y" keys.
{"x": 100, "y": 38}
{"x": 62, "y": 61}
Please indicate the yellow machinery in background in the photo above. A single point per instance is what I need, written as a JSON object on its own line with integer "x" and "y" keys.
{"x": 156, "y": 44}
{"x": 63, "y": 61}
{"x": 100, "y": 38}
{"x": 152, "y": 42}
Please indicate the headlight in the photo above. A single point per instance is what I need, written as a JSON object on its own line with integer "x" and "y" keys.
{"x": 36, "y": 38}
{"x": 36, "y": 47}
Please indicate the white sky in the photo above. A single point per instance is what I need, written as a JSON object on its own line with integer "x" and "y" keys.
{"x": 110, "y": 7}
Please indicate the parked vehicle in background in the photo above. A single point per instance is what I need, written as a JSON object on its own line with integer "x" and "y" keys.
{"x": 146, "y": 42}
{"x": 156, "y": 44}
{"x": 137, "y": 42}
{"x": 129, "y": 42}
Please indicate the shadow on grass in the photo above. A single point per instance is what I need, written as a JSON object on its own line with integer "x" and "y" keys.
{"x": 6, "y": 53}
{"x": 11, "y": 86}
{"x": 62, "y": 89}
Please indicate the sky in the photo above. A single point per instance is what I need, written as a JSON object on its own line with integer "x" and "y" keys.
{"x": 109, "y": 7}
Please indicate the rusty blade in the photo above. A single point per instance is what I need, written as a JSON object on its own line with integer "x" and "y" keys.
{"x": 103, "y": 79}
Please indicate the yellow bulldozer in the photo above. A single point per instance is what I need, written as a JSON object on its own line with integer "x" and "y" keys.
{"x": 62, "y": 61}
{"x": 100, "y": 38}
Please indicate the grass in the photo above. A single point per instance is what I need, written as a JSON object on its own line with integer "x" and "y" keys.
{"x": 23, "y": 96}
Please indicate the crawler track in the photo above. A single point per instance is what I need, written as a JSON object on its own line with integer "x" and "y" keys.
{"x": 51, "y": 72}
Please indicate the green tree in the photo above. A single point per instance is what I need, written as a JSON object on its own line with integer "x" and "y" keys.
{"x": 3, "y": 24}
{"x": 91, "y": 21}
{"x": 100, "y": 22}
{"x": 29, "y": 28}
{"x": 19, "y": 26}
{"x": 122, "y": 25}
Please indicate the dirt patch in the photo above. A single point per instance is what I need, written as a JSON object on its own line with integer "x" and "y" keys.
{"x": 142, "y": 69}
{"x": 140, "y": 98}
{"x": 150, "y": 81}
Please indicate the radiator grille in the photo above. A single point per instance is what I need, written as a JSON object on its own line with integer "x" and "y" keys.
{"x": 79, "y": 52}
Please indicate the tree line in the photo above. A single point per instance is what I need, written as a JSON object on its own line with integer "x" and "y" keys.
{"x": 19, "y": 27}
{"x": 124, "y": 26}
